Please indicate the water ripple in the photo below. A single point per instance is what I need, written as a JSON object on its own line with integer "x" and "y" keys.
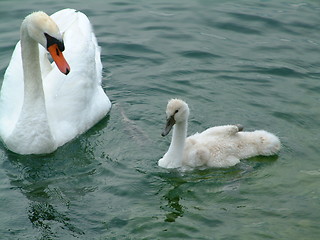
{"x": 236, "y": 28}
{"x": 198, "y": 54}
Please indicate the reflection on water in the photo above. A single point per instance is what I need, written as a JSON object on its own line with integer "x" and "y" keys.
{"x": 46, "y": 218}
{"x": 182, "y": 186}
{"x": 173, "y": 206}
{"x": 41, "y": 183}
{"x": 52, "y": 182}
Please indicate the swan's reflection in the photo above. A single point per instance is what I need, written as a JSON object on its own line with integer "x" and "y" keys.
{"x": 174, "y": 208}
{"x": 52, "y": 183}
{"x": 183, "y": 186}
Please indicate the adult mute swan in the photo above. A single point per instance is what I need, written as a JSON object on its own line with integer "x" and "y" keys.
{"x": 221, "y": 146}
{"x": 44, "y": 105}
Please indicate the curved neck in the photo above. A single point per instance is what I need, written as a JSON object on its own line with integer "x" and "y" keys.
{"x": 32, "y": 133}
{"x": 33, "y": 89}
{"x": 174, "y": 155}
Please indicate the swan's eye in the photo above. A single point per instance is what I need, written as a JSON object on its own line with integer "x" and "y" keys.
{"x": 51, "y": 40}
{"x": 176, "y": 111}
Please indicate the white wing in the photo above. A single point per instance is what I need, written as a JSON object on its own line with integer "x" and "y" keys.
{"x": 75, "y": 102}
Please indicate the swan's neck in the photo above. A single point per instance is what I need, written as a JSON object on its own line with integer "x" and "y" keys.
{"x": 174, "y": 156}
{"x": 32, "y": 130}
{"x": 33, "y": 89}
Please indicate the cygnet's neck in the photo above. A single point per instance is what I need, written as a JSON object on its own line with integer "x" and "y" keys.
{"x": 173, "y": 158}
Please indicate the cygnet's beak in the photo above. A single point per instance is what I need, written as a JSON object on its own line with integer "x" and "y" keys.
{"x": 169, "y": 125}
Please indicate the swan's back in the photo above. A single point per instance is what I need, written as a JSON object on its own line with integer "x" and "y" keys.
{"x": 223, "y": 147}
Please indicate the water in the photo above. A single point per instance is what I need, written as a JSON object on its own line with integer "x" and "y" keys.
{"x": 249, "y": 62}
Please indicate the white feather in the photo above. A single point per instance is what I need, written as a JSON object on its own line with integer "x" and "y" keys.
{"x": 73, "y": 102}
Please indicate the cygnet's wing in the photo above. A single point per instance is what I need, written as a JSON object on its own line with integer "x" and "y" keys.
{"x": 226, "y": 130}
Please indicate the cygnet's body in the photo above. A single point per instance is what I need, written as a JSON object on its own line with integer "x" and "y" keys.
{"x": 219, "y": 147}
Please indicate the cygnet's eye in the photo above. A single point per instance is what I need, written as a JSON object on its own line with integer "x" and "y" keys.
{"x": 176, "y": 111}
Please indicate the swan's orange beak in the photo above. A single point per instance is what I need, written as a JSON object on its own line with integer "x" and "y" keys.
{"x": 59, "y": 59}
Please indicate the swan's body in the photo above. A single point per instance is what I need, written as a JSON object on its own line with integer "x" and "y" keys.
{"x": 41, "y": 108}
{"x": 221, "y": 146}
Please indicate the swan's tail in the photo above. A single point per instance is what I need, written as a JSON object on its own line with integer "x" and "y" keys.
{"x": 259, "y": 142}
{"x": 268, "y": 144}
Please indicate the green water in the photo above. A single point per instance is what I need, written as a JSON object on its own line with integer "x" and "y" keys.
{"x": 250, "y": 62}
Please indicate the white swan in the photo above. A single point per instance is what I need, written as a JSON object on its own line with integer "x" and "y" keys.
{"x": 221, "y": 146}
{"x": 41, "y": 108}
